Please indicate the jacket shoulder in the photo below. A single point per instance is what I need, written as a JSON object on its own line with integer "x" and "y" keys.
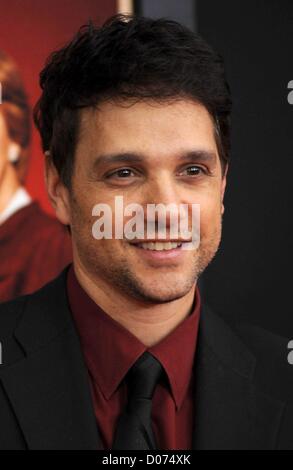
{"x": 274, "y": 361}
{"x": 37, "y": 310}
{"x": 264, "y": 343}
{"x": 10, "y": 312}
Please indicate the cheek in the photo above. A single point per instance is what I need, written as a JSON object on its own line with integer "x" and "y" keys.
{"x": 3, "y": 165}
{"x": 210, "y": 215}
{"x": 81, "y": 218}
{"x": 3, "y": 153}
{"x": 84, "y": 224}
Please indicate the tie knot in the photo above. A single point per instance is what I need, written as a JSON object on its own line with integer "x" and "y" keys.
{"x": 143, "y": 377}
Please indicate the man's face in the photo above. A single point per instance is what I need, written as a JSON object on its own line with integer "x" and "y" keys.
{"x": 161, "y": 135}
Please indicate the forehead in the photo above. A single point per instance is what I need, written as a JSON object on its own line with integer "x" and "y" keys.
{"x": 147, "y": 126}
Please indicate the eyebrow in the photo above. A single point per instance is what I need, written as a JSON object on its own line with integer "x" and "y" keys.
{"x": 199, "y": 155}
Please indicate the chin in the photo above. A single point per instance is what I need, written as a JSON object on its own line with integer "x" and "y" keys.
{"x": 158, "y": 295}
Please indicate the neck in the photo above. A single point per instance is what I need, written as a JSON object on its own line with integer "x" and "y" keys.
{"x": 150, "y": 323}
{"x": 8, "y": 186}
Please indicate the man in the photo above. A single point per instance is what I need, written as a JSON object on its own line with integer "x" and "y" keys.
{"x": 120, "y": 351}
{"x": 34, "y": 247}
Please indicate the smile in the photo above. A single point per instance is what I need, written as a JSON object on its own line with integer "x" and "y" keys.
{"x": 161, "y": 251}
{"x": 159, "y": 246}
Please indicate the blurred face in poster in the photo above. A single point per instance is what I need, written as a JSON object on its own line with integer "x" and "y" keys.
{"x": 9, "y": 152}
{"x": 14, "y": 130}
{"x": 4, "y": 140}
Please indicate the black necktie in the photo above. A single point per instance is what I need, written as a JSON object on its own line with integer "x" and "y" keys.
{"x": 134, "y": 427}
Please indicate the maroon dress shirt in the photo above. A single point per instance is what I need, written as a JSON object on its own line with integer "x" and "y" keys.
{"x": 110, "y": 350}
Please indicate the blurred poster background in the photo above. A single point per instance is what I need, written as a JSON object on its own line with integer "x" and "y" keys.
{"x": 34, "y": 246}
{"x": 29, "y": 31}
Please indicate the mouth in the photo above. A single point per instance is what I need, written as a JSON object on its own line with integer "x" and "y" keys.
{"x": 161, "y": 251}
{"x": 158, "y": 245}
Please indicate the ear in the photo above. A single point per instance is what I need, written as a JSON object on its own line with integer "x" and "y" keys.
{"x": 223, "y": 187}
{"x": 57, "y": 192}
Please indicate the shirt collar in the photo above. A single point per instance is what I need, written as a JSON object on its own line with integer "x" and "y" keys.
{"x": 20, "y": 199}
{"x": 110, "y": 349}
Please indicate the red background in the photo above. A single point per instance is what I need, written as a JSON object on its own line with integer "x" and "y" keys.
{"x": 29, "y": 31}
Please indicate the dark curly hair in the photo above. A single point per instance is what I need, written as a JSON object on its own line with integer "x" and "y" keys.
{"x": 128, "y": 57}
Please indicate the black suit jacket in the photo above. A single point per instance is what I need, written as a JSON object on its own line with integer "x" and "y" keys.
{"x": 243, "y": 393}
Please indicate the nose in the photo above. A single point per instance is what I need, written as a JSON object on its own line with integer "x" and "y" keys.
{"x": 162, "y": 189}
{"x": 162, "y": 199}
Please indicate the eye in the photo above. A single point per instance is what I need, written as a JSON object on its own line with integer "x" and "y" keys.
{"x": 193, "y": 170}
{"x": 122, "y": 173}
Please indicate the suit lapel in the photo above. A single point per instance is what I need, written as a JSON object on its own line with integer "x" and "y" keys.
{"x": 54, "y": 407}
{"x": 230, "y": 412}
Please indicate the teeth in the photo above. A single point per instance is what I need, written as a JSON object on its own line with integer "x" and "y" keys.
{"x": 159, "y": 246}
